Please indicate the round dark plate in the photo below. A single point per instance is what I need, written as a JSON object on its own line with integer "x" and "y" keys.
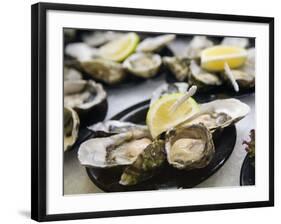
{"x": 168, "y": 177}
{"x": 247, "y": 174}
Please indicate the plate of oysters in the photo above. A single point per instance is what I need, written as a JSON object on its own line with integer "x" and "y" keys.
{"x": 176, "y": 134}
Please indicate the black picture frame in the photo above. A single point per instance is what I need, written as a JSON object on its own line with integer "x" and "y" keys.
{"x": 38, "y": 108}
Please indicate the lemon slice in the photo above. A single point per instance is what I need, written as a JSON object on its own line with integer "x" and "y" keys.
{"x": 214, "y": 58}
{"x": 160, "y": 117}
{"x": 121, "y": 48}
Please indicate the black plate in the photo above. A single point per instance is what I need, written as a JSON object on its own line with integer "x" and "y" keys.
{"x": 247, "y": 174}
{"x": 168, "y": 177}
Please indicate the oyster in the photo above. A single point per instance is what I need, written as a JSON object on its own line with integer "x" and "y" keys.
{"x": 98, "y": 38}
{"x": 81, "y": 51}
{"x": 155, "y": 44}
{"x": 146, "y": 164}
{"x": 88, "y": 98}
{"x": 179, "y": 67}
{"x": 71, "y": 74}
{"x": 114, "y": 150}
{"x": 236, "y": 42}
{"x": 104, "y": 70}
{"x": 177, "y": 87}
{"x": 189, "y": 147}
{"x": 201, "y": 78}
{"x": 196, "y": 45}
{"x": 144, "y": 65}
{"x": 71, "y": 127}
{"x": 219, "y": 114}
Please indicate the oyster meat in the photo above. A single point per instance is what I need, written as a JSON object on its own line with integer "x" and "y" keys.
{"x": 104, "y": 70}
{"x": 178, "y": 66}
{"x": 114, "y": 150}
{"x": 196, "y": 45}
{"x": 155, "y": 44}
{"x": 71, "y": 127}
{"x": 143, "y": 65}
{"x": 189, "y": 147}
{"x": 88, "y": 98}
{"x": 146, "y": 164}
{"x": 201, "y": 78}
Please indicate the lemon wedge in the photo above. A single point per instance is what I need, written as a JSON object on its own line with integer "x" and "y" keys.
{"x": 121, "y": 48}
{"x": 160, "y": 117}
{"x": 214, "y": 58}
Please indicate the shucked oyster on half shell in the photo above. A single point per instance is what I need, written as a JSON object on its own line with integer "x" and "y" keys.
{"x": 201, "y": 78}
{"x": 218, "y": 114}
{"x": 104, "y": 70}
{"x": 88, "y": 98}
{"x": 81, "y": 51}
{"x": 71, "y": 127}
{"x": 155, "y": 44}
{"x": 143, "y": 65}
{"x": 114, "y": 150}
{"x": 177, "y": 87}
{"x": 196, "y": 45}
{"x": 99, "y": 38}
{"x": 88, "y": 60}
{"x": 189, "y": 147}
{"x": 178, "y": 66}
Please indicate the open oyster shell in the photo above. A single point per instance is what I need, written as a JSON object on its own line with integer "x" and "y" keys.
{"x": 98, "y": 38}
{"x": 104, "y": 70}
{"x": 71, "y": 127}
{"x": 81, "y": 51}
{"x": 178, "y": 66}
{"x": 189, "y": 147}
{"x": 143, "y": 65}
{"x": 219, "y": 114}
{"x": 114, "y": 150}
{"x": 177, "y": 87}
{"x": 146, "y": 164}
{"x": 201, "y": 78}
{"x": 196, "y": 45}
{"x": 155, "y": 44}
{"x": 88, "y": 98}
{"x": 117, "y": 127}
{"x": 87, "y": 59}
